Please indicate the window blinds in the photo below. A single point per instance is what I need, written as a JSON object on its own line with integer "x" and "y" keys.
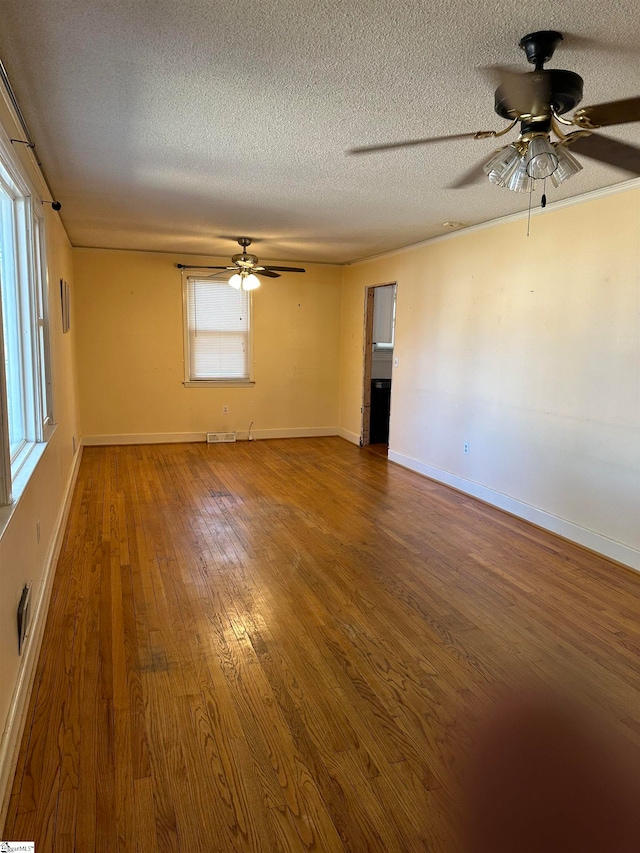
{"x": 218, "y": 327}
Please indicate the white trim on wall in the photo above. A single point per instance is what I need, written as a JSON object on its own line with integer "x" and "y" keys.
{"x": 303, "y": 432}
{"x": 568, "y": 530}
{"x": 350, "y": 436}
{"x": 16, "y": 717}
{"x": 190, "y": 437}
{"x": 144, "y": 438}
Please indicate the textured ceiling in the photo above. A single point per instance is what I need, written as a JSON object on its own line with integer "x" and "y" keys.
{"x": 177, "y": 126}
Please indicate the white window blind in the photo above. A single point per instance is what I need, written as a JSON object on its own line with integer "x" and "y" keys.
{"x": 218, "y": 327}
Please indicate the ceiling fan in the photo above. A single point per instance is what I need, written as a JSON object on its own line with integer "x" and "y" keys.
{"x": 539, "y": 100}
{"x": 245, "y": 268}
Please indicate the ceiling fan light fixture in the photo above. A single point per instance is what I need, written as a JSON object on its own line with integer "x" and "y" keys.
{"x": 567, "y": 166}
{"x": 541, "y": 158}
{"x": 236, "y": 281}
{"x": 250, "y": 282}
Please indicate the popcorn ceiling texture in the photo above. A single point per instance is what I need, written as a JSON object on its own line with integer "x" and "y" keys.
{"x": 178, "y": 126}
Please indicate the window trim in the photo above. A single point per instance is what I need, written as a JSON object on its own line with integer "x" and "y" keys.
{"x": 6, "y": 491}
{"x": 187, "y": 381}
{"x": 42, "y": 333}
{"x": 32, "y": 295}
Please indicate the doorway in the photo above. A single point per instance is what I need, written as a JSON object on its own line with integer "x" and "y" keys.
{"x": 379, "y": 339}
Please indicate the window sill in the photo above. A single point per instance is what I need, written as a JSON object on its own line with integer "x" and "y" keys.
{"x": 21, "y": 479}
{"x": 218, "y": 383}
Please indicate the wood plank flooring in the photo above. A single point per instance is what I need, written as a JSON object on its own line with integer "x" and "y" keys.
{"x": 285, "y": 646}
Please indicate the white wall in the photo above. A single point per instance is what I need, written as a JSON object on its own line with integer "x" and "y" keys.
{"x": 527, "y": 349}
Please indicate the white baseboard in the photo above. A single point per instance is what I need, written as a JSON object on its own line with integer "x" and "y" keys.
{"x": 144, "y": 438}
{"x": 16, "y": 718}
{"x": 302, "y": 432}
{"x": 567, "y": 529}
{"x": 353, "y": 437}
{"x": 186, "y": 437}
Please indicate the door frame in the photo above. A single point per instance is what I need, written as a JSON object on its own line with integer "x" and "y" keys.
{"x": 365, "y": 409}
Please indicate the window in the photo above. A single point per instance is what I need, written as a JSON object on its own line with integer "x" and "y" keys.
{"x": 13, "y": 351}
{"x": 25, "y": 383}
{"x": 384, "y": 316}
{"x": 217, "y": 332}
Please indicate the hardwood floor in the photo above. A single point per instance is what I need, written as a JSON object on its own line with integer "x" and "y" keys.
{"x": 380, "y": 449}
{"x": 285, "y": 646}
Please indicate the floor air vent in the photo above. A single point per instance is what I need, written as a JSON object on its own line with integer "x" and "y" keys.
{"x": 220, "y": 437}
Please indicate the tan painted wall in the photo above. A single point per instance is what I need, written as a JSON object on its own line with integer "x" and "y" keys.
{"x": 527, "y": 348}
{"x": 130, "y": 350}
{"x": 22, "y": 559}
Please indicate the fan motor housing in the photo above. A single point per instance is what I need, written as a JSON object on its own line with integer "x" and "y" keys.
{"x": 565, "y": 93}
{"x": 245, "y": 260}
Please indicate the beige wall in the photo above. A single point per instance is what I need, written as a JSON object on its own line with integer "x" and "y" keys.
{"x": 22, "y": 559}
{"x": 527, "y": 348}
{"x": 130, "y": 351}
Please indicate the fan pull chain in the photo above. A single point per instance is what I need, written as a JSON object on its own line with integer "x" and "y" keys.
{"x": 543, "y": 200}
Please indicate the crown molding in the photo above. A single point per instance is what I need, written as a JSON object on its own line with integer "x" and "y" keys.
{"x": 624, "y": 186}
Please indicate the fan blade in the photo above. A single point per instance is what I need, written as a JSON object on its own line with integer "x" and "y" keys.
{"x": 526, "y": 93}
{"x": 471, "y": 176}
{"x": 267, "y": 272}
{"x": 386, "y": 146}
{"x": 607, "y": 150}
{"x": 285, "y": 269}
{"x": 575, "y": 42}
{"x": 604, "y": 115}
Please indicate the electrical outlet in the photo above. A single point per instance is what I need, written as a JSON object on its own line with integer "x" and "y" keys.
{"x": 396, "y": 361}
{"x": 466, "y": 447}
{"x": 225, "y": 410}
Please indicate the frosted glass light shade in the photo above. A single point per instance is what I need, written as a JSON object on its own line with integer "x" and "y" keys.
{"x": 519, "y": 181}
{"x": 541, "y": 159}
{"x": 567, "y": 166}
{"x": 502, "y": 165}
{"x": 251, "y": 282}
{"x": 236, "y": 280}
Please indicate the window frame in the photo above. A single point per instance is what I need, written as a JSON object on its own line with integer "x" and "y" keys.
{"x": 42, "y": 337}
{"x": 15, "y": 289}
{"x": 231, "y": 382}
{"x": 31, "y": 326}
